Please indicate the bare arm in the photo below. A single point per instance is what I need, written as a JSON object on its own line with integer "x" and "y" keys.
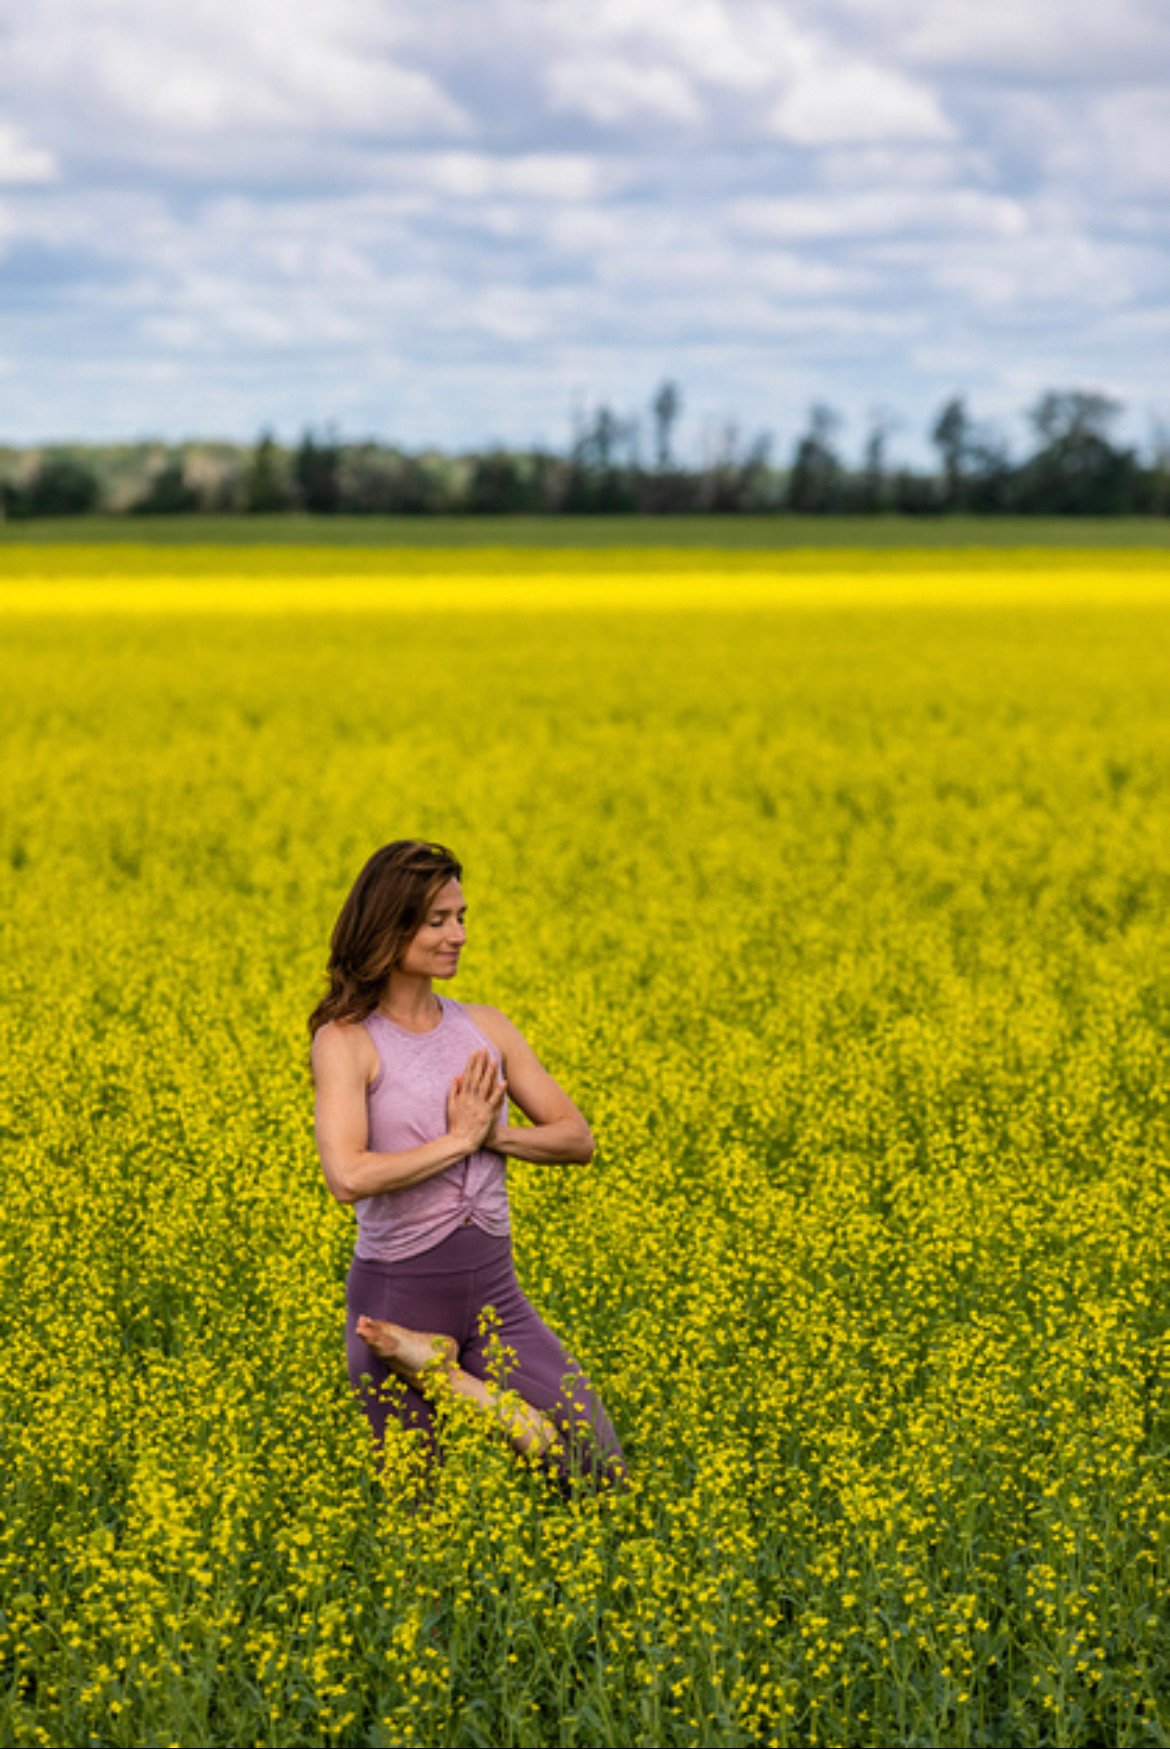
{"x": 559, "y": 1133}
{"x": 557, "y": 1143}
{"x": 352, "y": 1169}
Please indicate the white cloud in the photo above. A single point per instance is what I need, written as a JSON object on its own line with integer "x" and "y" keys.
{"x": 619, "y": 63}
{"x": 833, "y": 103}
{"x": 1045, "y": 42}
{"x": 1038, "y": 39}
{"x": 845, "y": 216}
{"x": 1138, "y": 325}
{"x": 903, "y": 166}
{"x": 1053, "y": 271}
{"x": 561, "y": 176}
{"x": 138, "y": 78}
{"x": 507, "y": 196}
{"x": 738, "y": 46}
{"x": 1130, "y": 130}
{"x": 21, "y": 162}
{"x": 608, "y": 89}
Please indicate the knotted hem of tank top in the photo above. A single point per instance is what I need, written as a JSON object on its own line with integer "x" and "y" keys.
{"x": 411, "y": 1260}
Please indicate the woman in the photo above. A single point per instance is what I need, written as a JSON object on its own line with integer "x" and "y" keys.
{"x": 411, "y": 1125}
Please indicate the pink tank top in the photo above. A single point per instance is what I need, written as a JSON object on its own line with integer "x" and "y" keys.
{"x": 406, "y": 1104}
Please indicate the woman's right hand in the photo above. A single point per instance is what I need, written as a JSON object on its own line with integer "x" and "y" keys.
{"x": 473, "y": 1099}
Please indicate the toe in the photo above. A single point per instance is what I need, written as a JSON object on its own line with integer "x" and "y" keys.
{"x": 372, "y": 1332}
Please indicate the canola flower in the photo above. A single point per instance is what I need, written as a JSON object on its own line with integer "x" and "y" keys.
{"x": 836, "y": 889}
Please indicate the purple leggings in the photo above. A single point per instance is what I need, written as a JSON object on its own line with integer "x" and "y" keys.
{"x": 443, "y": 1290}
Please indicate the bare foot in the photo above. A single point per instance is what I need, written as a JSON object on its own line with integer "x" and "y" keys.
{"x": 419, "y": 1355}
{"x": 409, "y": 1353}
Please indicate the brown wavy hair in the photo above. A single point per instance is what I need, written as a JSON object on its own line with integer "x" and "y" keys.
{"x": 385, "y": 906}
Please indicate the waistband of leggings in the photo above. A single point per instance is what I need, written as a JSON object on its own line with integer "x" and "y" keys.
{"x": 467, "y": 1248}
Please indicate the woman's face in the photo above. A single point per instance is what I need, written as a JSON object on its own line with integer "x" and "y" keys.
{"x": 434, "y": 949}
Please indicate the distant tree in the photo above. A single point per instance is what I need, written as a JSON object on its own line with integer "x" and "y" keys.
{"x": 873, "y": 466}
{"x": 369, "y": 479}
{"x": 975, "y": 470}
{"x": 429, "y": 483}
{"x": 666, "y": 407}
{"x": 737, "y": 477}
{"x": 953, "y": 436}
{"x": 1077, "y": 470}
{"x": 1064, "y": 415}
{"x": 550, "y": 474}
{"x": 676, "y": 492}
{"x": 873, "y": 489}
{"x": 816, "y": 477}
{"x": 168, "y": 493}
{"x": 317, "y": 472}
{"x": 597, "y": 479}
{"x": 1076, "y": 467}
{"x": 990, "y": 479}
{"x": 62, "y": 485}
{"x": 1157, "y": 483}
{"x": 912, "y": 493}
{"x": 266, "y": 482}
{"x": 607, "y": 434}
{"x": 500, "y": 484}
{"x": 215, "y": 472}
{"x": 761, "y": 481}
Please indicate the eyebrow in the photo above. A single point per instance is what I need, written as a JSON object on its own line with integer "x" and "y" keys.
{"x": 443, "y": 909}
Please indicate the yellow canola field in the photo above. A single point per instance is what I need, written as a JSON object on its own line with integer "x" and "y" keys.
{"x": 126, "y": 578}
{"x": 847, "y": 928}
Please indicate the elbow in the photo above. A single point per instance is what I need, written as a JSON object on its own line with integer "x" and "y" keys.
{"x": 587, "y": 1146}
{"x": 340, "y": 1185}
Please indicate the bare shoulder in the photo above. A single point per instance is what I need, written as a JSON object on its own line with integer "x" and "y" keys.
{"x": 530, "y": 1086}
{"x": 493, "y": 1024}
{"x": 344, "y": 1046}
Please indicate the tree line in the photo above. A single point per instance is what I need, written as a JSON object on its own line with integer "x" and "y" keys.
{"x": 618, "y": 464}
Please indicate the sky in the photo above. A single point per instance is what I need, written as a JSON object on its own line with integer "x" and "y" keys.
{"x": 462, "y": 222}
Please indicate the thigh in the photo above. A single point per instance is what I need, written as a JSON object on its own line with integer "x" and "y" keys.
{"x": 380, "y": 1394}
{"x": 416, "y": 1300}
{"x": 541, "y": 1369}
{"x": 419, "y": 1303}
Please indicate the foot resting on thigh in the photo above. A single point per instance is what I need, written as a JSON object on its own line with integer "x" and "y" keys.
{"x": 410, "y": 1353}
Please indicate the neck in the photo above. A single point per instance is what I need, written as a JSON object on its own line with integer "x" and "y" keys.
{"x": 409, "y": 1000}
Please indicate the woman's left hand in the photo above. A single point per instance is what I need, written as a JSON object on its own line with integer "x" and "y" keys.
{"x": 494, "y": 1138}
